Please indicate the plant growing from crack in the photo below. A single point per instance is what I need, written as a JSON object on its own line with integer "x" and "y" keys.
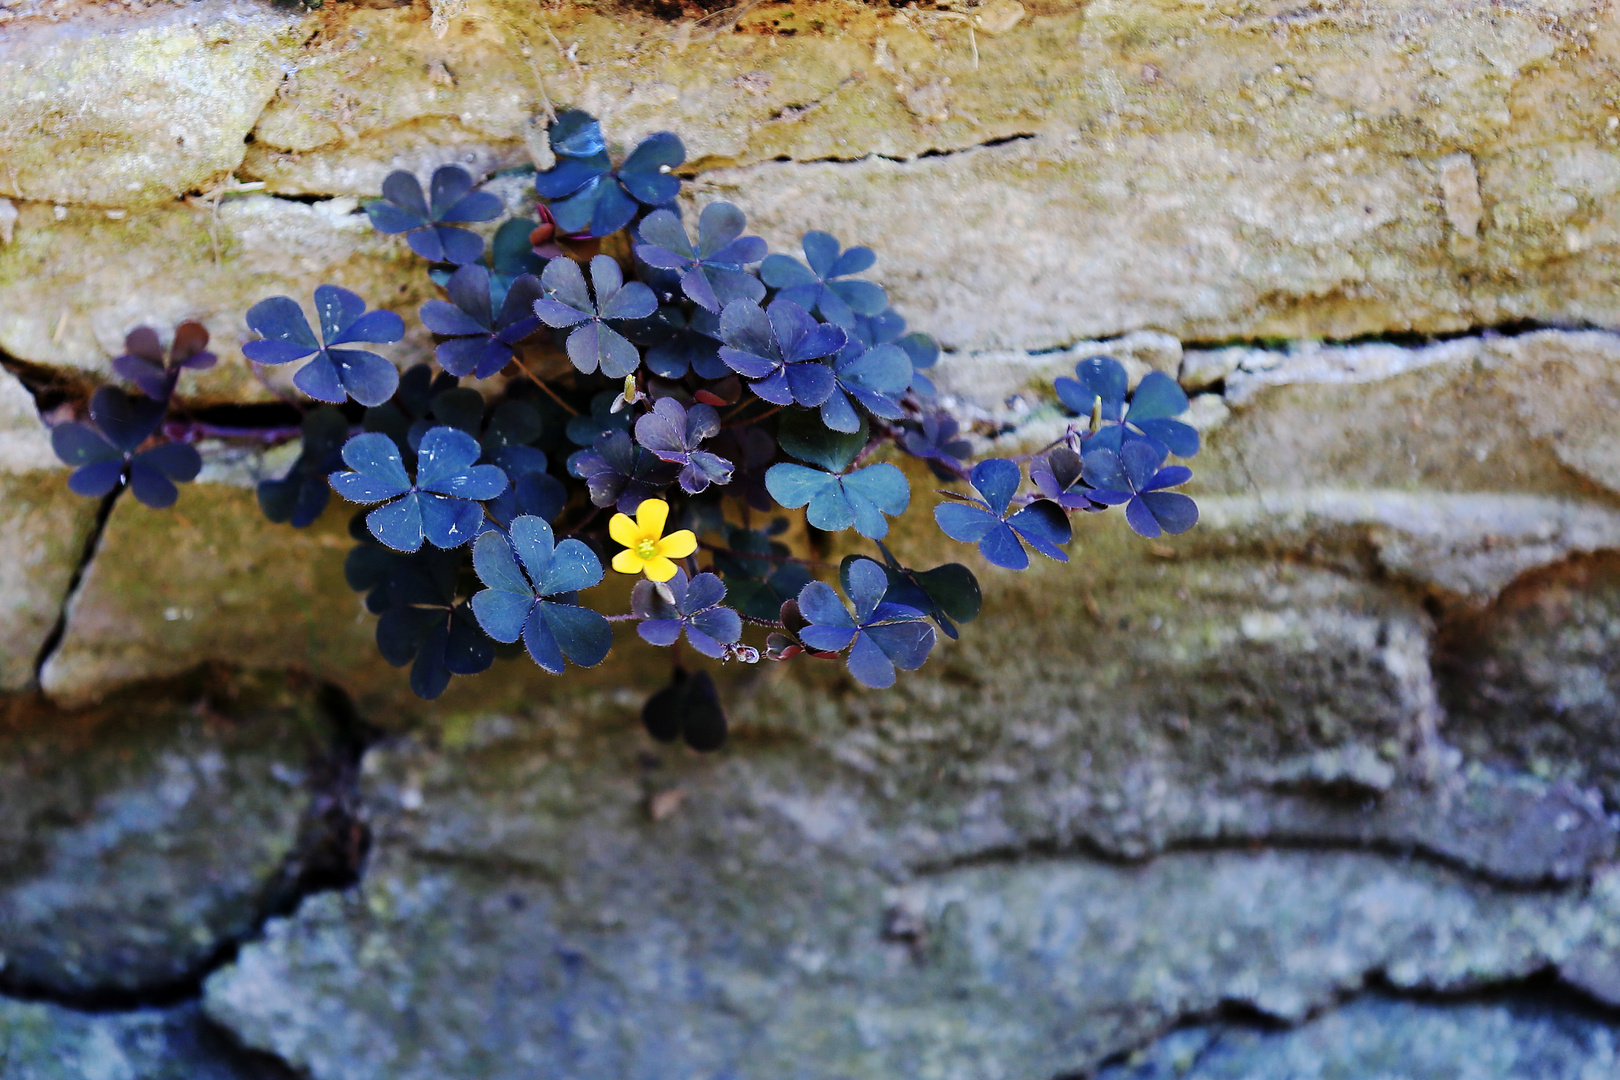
{"x": 663, "y": 386}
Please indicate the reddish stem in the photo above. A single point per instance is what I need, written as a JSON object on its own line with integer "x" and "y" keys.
{"x": 552, "y": 394}
{"x": 718, "y": 550}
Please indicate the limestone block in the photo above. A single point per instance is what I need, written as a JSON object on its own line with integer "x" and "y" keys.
{"x": 47, "y": 1042}
{"x": 1059, "y": 238}
{"x": 524, "y": 907}
{"x": 42, "y": 535}
{"x": 1145, "y": 696}
{"x": 72, "y": 285}
{"x": 209, "y": 579}
{"x": 1533, "y": 679}
{"x": 136, "y": 108}
{"x": 141, "y": 838}
{"x": 1498, "y": 1040}
{"x": 1529, "y": 414}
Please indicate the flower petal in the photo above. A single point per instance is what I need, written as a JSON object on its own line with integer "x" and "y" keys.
{"x": 651, "y": 517}
{"x": 677, "y": 545}
{"x": 623, "y": 529}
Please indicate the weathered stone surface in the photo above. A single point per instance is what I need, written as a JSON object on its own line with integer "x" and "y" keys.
{"x": 45, "y": 1042}
{"x": 1188, "y": 172}
{"x": 1533, "y": 681}
{"x": 1153, "y": 700}
{"x": 1517, "y": 1038}
{"x": 140, "y": 838}
{"x": 210, "y": 579}
{"x": 137, "y": 107}
{"x": 1525, "y": 414}
{"x": 1185, "y": 172}
{"x": 71, "y": 288}
{"x": 523, "y": 908}
{"x": 42, "y": 535}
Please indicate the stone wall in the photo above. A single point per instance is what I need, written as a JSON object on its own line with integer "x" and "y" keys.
{"x": 1325, "y": 787}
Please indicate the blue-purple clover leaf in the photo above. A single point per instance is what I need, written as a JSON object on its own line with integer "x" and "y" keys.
{"x": 530, "y": 488}
{"x": 873, "y": 378}
{"x": 751, "y": 450}
{"x": 511, "y": 255}
{"x": 888, "y": 327}
{"x": 801, "y": 433}
{"x": 757, "y": 574}
{"x": 481, "y": 338}
{"x": 860, "y": 498}
{"x": 881, "y": 329}
{"x": 923, "y": 352}
{"x": 936, "y": 438}
{"x": 777, "y": 349}
{"x": 403, "y": 209}
{"x": 584, "y": 430}
{"x": 142, "y": 362}
{"x": 575, "y": 134}
{"x": 949, "y": 594}
{"x": 1133, "y": 477}
{"x": 422, "y": 622}
{"x": 619, "y": 473}
{"x": 298, "y": 498}
{"x": 587, "y": 195}
{"x": 531, "y": 592}
{"x": 816, "y": 288}
{"x": 440, "y": 505}
{"x": 674, "y": 433}
{"x": 986, "y": 522}
{"x": 880, "y": 636}
{"x": 593, "y": 344}
{"x": 711, "y": 271}
{"x": 676, "y": 344}
{"x": 1058, "y": 476}
{"x": 1100, "y": 383}
{"x": 689, "y": 708}
{"x": 104, "y": 452}
{"x": 694, "y": 606}
{"x": 332, "y": 374}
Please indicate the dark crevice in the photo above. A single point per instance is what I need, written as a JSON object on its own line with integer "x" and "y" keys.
{"x": 50, "y": 386}
{"x": 1541, "y": 989}
{"x": 1089, "y": 848}
{"x": 328, "y": 855}
{"x": 87, "y": 554}
{"x": 935, "y": 153}
{"x": 1404, "y": 339}
{"x": 261, "y": 416}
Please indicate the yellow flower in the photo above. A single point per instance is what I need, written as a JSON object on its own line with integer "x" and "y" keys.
{"x": 646, "y": 549}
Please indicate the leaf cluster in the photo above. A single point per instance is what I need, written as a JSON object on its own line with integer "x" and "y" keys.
{"x": 648, "y": 393}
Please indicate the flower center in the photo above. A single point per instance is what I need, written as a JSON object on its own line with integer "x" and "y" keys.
{"x": 647, "y": 549}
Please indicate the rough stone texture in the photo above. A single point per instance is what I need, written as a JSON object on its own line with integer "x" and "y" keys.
{"x": 141, "y": 838}
{"x": 1515, "y": 1039}
{"x": 523, "y": 908}
{"x": 1234, "y": 171}
{"x": 61, "y": 306}
{"x": 1534, "y": 678}
{"x": 46, "y": 1042}
{"x": 1355, "y": 730}
{"x": 141, "y": 108}
{"x": 42, "y": 535}
{"x": 209, "y": 579}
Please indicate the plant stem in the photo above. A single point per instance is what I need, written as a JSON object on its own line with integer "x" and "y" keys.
{"x": 718, "y": 550}
{"x": 552, "y": 394}
{"x": 727, "y": 420}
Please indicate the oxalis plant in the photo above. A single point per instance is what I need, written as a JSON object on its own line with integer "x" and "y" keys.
{"x": 671, "y": 387}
